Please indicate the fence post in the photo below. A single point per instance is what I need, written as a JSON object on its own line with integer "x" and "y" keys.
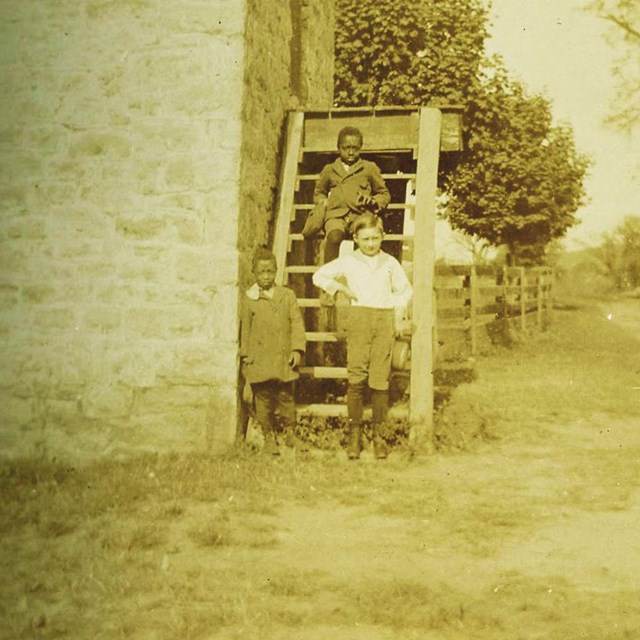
{"x": 505, "y": 293}
{"x": 523, "y": 300}
{"x": 473, "y": 308}
{"x": 539, "y": 301}
{"x": 549, "y": 297}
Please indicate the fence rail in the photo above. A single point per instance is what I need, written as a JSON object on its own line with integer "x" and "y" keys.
{"x": 469, "y": 298}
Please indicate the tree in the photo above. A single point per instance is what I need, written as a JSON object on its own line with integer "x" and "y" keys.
{"x": 407, "y": 53}
{"x": 624, "y": 16}
{"x": 621, "y": 252}
{"x": 520, "y": 180}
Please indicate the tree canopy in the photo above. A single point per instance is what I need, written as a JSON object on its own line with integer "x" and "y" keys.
{"x": 519, "y": 181}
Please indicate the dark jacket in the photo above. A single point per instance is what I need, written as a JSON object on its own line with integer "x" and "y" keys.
{"x": 270, "y": 331}
{"x": 343, "y": 188}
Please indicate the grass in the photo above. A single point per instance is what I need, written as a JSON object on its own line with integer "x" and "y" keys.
{"x": 195, "y": 546}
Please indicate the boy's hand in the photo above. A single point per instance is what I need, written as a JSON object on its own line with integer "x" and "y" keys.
{"x": 343, "y": 288}
{"x": 294, "y": 359}
{"x": 367, "y": 202}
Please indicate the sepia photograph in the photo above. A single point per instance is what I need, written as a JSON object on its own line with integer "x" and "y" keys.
{"x": 320, "y": 320}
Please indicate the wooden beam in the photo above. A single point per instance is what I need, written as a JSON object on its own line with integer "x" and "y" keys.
{"x": 293, "y": 144}
{"x": 422, "y": 356}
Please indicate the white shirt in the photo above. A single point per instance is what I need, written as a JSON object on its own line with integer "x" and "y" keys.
{"x": 377, "y": 281}
{"x": 254, "y": 292}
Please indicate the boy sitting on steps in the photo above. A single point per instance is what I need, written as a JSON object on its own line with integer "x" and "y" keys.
{"x": 347, "y": 188}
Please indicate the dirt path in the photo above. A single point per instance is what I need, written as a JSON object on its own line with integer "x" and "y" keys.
{"x": 529, "y": 534}
{"x": 532, "y": 537}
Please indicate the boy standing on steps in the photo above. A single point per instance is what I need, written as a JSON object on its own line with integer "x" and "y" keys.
{"x": 347, "y": 188}
{"x": 272, "y": 341}
{"x": 379, "y": 292}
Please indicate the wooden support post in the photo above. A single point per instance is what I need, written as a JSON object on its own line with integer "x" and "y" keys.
{"x": 473, "y": 309}
{"x": 292, "y": 146}
{"x": 422, "y": 364}
{"x": 523, "y": 298}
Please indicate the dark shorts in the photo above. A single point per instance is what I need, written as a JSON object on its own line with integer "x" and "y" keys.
{"x": 370, "y": 338}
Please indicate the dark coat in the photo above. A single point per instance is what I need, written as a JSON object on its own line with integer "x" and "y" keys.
{"x": 343, "y": 188}
{"x": 270, "y": 331}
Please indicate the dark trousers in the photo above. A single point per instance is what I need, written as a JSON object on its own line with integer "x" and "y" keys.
{"x": 274, "y": 399}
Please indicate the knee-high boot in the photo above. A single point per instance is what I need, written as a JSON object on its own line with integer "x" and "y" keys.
{"x": 379, "y": 408}
{"x": 355, "y": 408}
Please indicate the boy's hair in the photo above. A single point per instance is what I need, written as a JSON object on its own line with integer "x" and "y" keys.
{"x": 367, "y": 221}
{"x": 263, "y": 253}
{"x": 350, "y": 131}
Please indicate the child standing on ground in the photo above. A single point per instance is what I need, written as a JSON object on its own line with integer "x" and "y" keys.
{"x": 379, "y": 292}
{"x": 272, "y": 341}
{"x": 347, "y": 188}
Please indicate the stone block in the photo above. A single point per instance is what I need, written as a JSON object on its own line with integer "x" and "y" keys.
{"x": 82, "y": 221}
{"x": 198, "y": 363}
{"x": 28, "y": 227}
{"x": 25, "y": 441}
{"x": 162, "y": 398}
{"x": 148, "y": 322}
{"x": 141, "y": 227}
{"x": 142, "y": 271}
{"x": 55, "y": 319}
{"x": 201, "y": 267}
{"x": 15, "y": 411}
{"x": 139, "y": 369}
{"x": 9, "y": 297}
{"x": 107, "y": 399}
{"x": 100, "y": 144}
{"x": 39, "y": 294}
{"x": 180, "y": 176}
{"x": 184, "y": 322}
{"x": 102, "y": 319}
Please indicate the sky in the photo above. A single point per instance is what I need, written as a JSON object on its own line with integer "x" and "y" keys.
{"x": 561, "y": 51}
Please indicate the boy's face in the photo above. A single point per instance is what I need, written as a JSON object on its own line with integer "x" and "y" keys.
{"x": 265, "y": 273}
{"x": 369, "y": 241}
{"x": 349, "y": 149}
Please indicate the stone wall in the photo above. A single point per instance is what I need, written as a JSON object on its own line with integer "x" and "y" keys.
{"x": 289, "y": 65}
{"x": 125, "y": 218}
{"x": 120, "y": 148}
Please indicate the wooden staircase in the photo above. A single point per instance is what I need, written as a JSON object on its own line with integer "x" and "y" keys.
{"x": 406, "y": 144}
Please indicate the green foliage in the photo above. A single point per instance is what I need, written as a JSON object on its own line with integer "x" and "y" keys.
{"x": 399, "y": 53}
{"x": 519, "y": 182}
{"x": 332, "y": 433}
{"x": 620, "y": 251}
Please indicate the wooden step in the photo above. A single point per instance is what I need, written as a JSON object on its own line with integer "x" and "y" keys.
{"x": 305, "y": 206}
{"x": 301, "y": 268}
{"x": 338, "y": 373}
{"x": 386, "y": 176}
{"x": 388, "y": 237}
{"x": 309, "y": 303}
{"x": 321, "y": 336}
{"x": 396, "y": 412}
{"x": 410, "y": 148}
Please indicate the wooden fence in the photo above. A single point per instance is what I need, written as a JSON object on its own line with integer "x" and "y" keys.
{"x": 475, "y": 302}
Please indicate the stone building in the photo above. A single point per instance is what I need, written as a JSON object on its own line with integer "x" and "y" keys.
{"x": 139, "y": 155}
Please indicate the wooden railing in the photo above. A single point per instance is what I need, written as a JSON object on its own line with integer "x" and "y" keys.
{"x": 471, "y": 298}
